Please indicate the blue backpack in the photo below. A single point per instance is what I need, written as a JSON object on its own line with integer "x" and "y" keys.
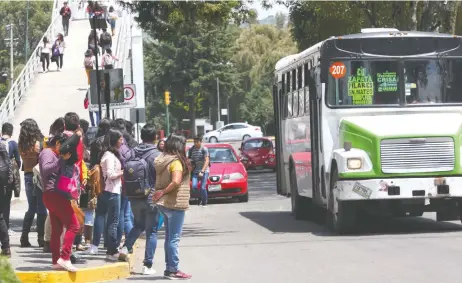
{"x": 136, "y": 175}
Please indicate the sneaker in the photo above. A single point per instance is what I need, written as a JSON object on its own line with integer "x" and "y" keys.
{"x": 204, "y": 205}
{"x": 66, "y": 264}
{"x": 177, "y": 275}
{"x": 56, "y": 267}
{"x": 114, "y": 257}
{"x": 11, "y": 232}
{"x": 93, "y": 250}
{"x": 148, "y": 270}
{"x": 123, "y": 254}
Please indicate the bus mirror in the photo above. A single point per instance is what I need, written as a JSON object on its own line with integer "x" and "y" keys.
{"x": 347, "y": 146}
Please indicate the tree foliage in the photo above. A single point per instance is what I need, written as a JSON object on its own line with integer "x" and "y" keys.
{"x": 315, "y": 21}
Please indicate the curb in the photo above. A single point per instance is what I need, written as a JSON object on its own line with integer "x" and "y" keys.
{"x": 109, "y": 272}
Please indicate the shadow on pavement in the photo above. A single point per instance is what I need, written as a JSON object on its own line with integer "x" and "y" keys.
{"x": 284, "y": 222}
{"x": 139, "y": 277}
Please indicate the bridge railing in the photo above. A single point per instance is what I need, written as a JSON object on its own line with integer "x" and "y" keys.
{"x": 23, "y": 82}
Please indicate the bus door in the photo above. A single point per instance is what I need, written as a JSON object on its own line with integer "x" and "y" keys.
{"x": 277, "y": 104}
{"x": 314, "y": 85}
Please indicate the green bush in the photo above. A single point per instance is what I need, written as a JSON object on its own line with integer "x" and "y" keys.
{"x": 7, "y": 274}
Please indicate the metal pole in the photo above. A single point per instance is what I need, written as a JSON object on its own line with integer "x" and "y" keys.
{"x": 227, "y": 106}
{"x": 11, "y": 56}
{"x": 98, "y": 83}
{"x": 218, "y": 98}
{"x": 26, "y": 56}
{"x": 168, "y": 121}
{"x": 107, "y": 94}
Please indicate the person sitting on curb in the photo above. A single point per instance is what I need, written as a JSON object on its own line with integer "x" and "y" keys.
{"x": 140, "y": 166}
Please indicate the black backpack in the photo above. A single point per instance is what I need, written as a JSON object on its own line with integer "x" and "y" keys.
{"x": 106, "y": 38}
{"x": 136, "y": 175}
{"x": 5, "y": 164}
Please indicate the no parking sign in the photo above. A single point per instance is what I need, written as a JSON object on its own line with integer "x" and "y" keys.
{"x": 129, "y": 100}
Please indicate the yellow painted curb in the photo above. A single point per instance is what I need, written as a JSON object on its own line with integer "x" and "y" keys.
{"x": 103, "y": 273}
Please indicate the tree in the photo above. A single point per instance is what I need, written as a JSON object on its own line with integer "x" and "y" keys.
{"x": 256, "y": 52}
{"x": 317, "y": 21}
{"x": 280, "y": 20}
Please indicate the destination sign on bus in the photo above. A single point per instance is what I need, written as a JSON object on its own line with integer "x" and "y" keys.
{"x": 361, "y": 87}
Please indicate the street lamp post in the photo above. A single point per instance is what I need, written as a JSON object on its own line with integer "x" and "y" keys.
{"x": 26, "y": 55}
{"x": 98, "y": 84}
{"x": 11, "y": 39}
{"x": 218, "y": 99}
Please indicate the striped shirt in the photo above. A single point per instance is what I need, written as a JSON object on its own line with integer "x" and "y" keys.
{"x": 197, "y": 156}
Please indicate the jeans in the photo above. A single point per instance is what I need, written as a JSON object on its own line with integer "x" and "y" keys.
{"x": 203, "y": 197}
{"x": 125, "y": 219}
{"x": 59, "y": 61}
{"x": 173, "y": 221}
{"x": 108, "y": 204}
{"x": 4, "y": 237}
{"x": 61, "y": 215}
{"x": 34, "y": 197}
{"x": 146, "y": 219}
{"x": 66, "y": 27}
{"x": 45, "y": 61}
{"x": 6, "y": 206}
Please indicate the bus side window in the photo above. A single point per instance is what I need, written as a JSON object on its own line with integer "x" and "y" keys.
{"x": 301, "y": 97}
{"x": 289, "y": 105}
{"x": 306, "y": 89}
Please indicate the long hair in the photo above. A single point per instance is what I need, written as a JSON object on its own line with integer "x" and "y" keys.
{"x": 121, "y": 126}
{"x": 29, "y": 134}
{"x": 57, "y": 127}
{"x": 110, "y": 142}
{"x": 176, "y": 145}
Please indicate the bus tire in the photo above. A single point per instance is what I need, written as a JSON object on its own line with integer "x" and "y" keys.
{"x": 341, "y": 220}
{"x": 300, "y": 205}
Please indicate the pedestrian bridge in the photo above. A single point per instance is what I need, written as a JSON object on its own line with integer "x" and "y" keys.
{"x": 47, "y": 96}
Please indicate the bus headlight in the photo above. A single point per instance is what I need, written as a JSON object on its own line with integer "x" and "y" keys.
{"x": 354, "y": 163}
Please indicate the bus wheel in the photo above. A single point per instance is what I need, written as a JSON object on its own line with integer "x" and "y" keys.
{"x": 300, "y": 205}
{"x": 341, "y": 215}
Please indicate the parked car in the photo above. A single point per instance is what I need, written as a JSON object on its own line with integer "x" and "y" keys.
{"x": 233, "y": 132}
{"x": 227, "y": 177}
{"x": 258, "y": 153}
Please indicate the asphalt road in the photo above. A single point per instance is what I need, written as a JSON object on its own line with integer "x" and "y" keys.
{"x": 260, "y": 241}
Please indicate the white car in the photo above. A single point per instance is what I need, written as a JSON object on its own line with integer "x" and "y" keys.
{"x": 233, "y": 132}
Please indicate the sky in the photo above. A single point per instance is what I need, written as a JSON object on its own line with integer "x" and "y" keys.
{"x": 263, "y": 13}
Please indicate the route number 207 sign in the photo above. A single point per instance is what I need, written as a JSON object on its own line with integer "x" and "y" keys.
{"x": 337, "y": 70}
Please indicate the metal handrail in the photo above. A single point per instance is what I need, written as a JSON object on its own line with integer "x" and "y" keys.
{"x": 23, "y": 82}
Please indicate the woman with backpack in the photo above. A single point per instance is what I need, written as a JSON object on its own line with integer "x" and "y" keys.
{"x": 172, "y": 198}
{"x": 93, "y": 42}
{"x": 45, "y": 55}
{"x": 30, "y": 143}
{"x": 89, "y": 63}
{"x": 58, "y": 51}
{"x": 108, "y": 60}
{"x": 58, "y": 171}
{"x": 108, "y": 203}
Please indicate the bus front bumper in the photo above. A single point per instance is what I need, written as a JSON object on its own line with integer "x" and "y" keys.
{"x": 400, "y": 188}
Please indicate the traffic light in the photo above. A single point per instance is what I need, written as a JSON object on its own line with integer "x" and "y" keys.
{"x": 167, "y": 97}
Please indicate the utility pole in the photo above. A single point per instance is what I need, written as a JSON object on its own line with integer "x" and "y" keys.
{"x": 167, "y": 102}
{"x": 26, "y": 49}
{"x": 218, "y": 98}
{"x": 11, "y": 39}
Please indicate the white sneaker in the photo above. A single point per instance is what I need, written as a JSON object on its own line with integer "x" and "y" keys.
{"x": 11, "y": 232}
{"x": 93, "y": 250}
{"x": 114, "y": 257}
{"x": 66, "y": 264}
{"x": 148, "y": 271}
{"x": 123, "y": 254}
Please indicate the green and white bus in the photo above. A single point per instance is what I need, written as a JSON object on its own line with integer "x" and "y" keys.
{"x": 371, "y": 123}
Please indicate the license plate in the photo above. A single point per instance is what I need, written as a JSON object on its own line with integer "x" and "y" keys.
{"x": 214, "y": 188}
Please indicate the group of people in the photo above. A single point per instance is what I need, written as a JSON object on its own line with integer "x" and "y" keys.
{"x": 106, "y": 187}
{"x": 99, "y": 37}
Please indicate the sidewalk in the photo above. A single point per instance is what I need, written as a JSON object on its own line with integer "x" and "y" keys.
{"x": 31, "y": 264}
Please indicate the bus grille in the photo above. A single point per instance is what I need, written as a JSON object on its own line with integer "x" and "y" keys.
{"x": 417, "y": 155}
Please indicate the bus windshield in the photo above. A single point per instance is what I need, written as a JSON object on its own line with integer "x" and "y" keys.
{"x": 369, "y": 82}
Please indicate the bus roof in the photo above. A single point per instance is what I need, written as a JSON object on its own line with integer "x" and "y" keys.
{"x": 370, "y": 33}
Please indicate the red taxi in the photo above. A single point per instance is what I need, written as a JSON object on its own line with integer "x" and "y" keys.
{"x": 258, "y": 153}
{"x": 227, "y": 176}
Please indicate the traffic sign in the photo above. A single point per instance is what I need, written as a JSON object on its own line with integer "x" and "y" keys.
{"x": 129, "y": 100}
